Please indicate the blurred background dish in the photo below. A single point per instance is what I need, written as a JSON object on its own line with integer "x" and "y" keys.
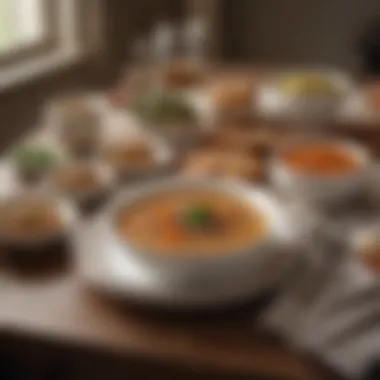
{"x": 321, "y": 168}
{"x": 231, "y": 95}
{"x": 183, "y": 74}
{"x": 231, "y": 98}
{"x": 215, "y": 163}
{"x": 308, "y": 84}
{"x": 78, "y": 122}
{"x": 171, "y": 116}
{"x": 164, "y": 108}
{"x": 139, "y": 155}
{"x": 33, "y": 162}
{"x": 82, "y": 181}
{"x": 308, "y": 96}
{"x": 252, "y": 140}
{"x": 31, "y": 220}
{"x": 125, "y": 156}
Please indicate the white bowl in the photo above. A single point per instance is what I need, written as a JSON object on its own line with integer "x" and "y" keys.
{"x": 314, "y": 187}
{"x": 272, "y": 102}
{"x": 55, "y": 119}
{"x": 190, "y": 270}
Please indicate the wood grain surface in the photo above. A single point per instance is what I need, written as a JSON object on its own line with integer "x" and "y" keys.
{"x": 56, "y": 307}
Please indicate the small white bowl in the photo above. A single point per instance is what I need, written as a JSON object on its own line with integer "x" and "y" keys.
{"x": 67, "y": 213}
{"x": 182, "y": 134}
{"x": 91, "y": 135}
{"x": 190, "y": 269}
{"x": 272, "y": 102}
{"x": 213, "y": 113}
{"x": 163, "y": 155}
{"x": 321, "y": 188}
{"x": 23, "y": 176}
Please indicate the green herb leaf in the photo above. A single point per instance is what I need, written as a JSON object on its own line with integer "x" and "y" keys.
{"x": 198, "y": 216}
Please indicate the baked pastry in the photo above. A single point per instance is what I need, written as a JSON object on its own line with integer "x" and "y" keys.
{"x": 232, "y": 94}
{"x": 125, "y": 156}
{"x": 258, "y": 143}
{"x": 217, "y": 163}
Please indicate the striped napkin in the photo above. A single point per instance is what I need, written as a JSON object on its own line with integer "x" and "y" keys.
{"x": 331, "y": 308}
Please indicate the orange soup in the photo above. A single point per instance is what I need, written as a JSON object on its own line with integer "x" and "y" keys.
{"x": 192, "y": 222}
{"x": 321, "y": 159}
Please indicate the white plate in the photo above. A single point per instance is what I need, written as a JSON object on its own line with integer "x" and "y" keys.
{"x": 115, "y": 268}
{"x": 102, "y": 264}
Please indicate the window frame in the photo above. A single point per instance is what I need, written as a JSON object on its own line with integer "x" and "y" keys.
{"x": 44, "y": 46}
{"x": 73, "y": 42}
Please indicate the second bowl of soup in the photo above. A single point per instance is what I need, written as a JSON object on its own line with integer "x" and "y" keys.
{"x": 322, "y": 168}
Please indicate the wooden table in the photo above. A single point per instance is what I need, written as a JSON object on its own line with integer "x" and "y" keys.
{"x": 55, "y": 307}
{"x": 58, "y": 309}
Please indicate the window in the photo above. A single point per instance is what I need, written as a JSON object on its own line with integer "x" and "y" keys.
{"x": 26, "y": 27}
{"x": 37, "y": 36}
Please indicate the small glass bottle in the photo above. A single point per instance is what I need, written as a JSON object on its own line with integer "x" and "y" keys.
{"x": 194, "y": 37}
{"x": 163, "y": 48}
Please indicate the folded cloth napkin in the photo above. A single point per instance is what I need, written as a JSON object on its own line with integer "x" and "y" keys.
{"x": 331, "y": 308}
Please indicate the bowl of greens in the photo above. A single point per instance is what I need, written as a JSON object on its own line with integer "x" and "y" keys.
{"x": 33, "y": 162}
{"x": 169, "y": 115}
